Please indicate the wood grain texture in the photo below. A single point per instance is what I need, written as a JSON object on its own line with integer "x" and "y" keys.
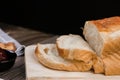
{"x": 26, "y": 37}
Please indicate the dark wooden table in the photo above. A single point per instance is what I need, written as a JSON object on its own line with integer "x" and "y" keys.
{"x": 26, "y": 37}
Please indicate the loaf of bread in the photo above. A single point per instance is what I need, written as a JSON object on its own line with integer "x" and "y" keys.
{"x": 103, "y": 36}
{"x": 99, "y": 51}
{"x": 47, "y": 54}
{"x": 74, "y": 47}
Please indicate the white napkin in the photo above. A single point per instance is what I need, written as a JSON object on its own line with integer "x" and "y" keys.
{"x": 4, "y": 37}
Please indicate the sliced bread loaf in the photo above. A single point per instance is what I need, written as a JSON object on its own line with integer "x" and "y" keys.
{"x": 74, "y": 47}
{"x": 47, "y": 55}
{"x": 103, "y": 36}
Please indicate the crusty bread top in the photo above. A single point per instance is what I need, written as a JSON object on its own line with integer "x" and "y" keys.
{"x": 110, "y": 24}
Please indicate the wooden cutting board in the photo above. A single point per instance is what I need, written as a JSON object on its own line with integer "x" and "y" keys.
{"x": 36, "y": 71}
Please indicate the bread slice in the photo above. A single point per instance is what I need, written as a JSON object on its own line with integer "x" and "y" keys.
{"x": 103, "y": 36}
{"x": 48, "y": 56}
{"x": 8, "y": 46}
{"x": 74, "y": 47}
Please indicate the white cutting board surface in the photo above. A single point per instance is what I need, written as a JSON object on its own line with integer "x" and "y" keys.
{"x": 36, "y": 71}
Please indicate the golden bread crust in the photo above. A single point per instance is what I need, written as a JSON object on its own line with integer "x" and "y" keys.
{"x": 75, "y": 54}
{"x": 110, "y": 24}
{"x": 111, "y": 57}
{"x": 98, "y": 65}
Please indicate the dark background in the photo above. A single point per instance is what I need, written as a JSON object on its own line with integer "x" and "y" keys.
{"x": 58, "y": 17}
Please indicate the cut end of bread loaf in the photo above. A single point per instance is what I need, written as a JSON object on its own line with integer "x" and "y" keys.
{"x": 48, "y": 56}
{"x": 93, "y": 37}
{"x": 74, "y": 47}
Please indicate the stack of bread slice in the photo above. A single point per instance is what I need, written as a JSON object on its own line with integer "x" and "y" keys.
{"x": 99, "y": 51}
{"x": 70, "y": 53}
